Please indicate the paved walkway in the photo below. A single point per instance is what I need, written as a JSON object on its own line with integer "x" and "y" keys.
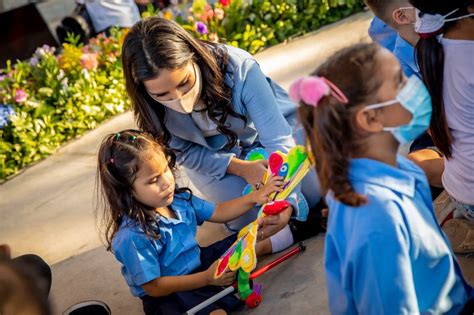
{"x": 49, "y": 208}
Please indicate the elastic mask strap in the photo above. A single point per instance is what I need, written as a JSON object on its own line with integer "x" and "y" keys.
{"x": 379, "y": 105}
{"x": 459, "y": 17}
{"x": 450, "y": 13}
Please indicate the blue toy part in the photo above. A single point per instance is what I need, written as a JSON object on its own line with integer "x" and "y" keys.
{"x": 303, "y": 208}
{"x": 254, "y": 155}
{"x": 283, "y": 170}
{"x": 247, "y": 190}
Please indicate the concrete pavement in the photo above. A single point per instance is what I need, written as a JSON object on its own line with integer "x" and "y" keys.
{"x": 49, "y": 208}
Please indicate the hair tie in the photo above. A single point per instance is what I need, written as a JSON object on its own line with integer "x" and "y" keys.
{"x": 431, "y": 35}
{"x": 312, "y": 89}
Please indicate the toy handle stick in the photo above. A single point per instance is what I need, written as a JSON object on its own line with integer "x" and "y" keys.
{"x": 301, "y": 248}
{"x": 257, "y": 273}
{"x": 211, "y": 300}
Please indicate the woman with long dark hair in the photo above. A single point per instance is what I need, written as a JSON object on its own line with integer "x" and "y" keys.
{"x": 212, "y": 104}
{"x": 445, "y": 54}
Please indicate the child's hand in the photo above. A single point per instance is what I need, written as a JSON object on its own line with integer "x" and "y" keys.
{"x": 270, "y": 225}
{"x": 225, "y": 280}
{"x": 274, "y": 184}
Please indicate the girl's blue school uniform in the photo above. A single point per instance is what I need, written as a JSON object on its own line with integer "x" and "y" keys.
{"x": 175, "y": 253}
{"x": 390, "y": 256}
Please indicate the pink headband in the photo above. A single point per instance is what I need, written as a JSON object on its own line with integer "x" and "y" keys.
{"x": 311, "y": 90}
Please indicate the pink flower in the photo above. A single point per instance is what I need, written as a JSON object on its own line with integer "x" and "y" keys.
{"x": 225, "y": 3}
{"x": 202, "y": 17}
{"x": 219, "y": 13}
{"x": 85, "y": 49}
{"x": 20, "y": 96}
{"x": 209, "y": 12}
{"x": 89, "y": 61}
{"x": 309, "y": 90}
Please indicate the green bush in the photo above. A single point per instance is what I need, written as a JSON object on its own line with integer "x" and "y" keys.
{"x": 51, "y": 99}
{"x": 254, "y": 25}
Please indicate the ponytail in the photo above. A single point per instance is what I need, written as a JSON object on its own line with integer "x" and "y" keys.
{"x": 338, "y": 146}
{"x": 430, "y": 57}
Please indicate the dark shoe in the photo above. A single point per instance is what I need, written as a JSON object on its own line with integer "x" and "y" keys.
{"x": 88, "y": 308}
{"x": 314, "y": 224}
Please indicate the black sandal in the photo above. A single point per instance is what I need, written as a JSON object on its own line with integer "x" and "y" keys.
{"x": 314, "y": 224}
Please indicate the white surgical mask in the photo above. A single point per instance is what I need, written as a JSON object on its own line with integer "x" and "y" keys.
{"x": 186, "y": 102}
{"x": 431, "y": 23}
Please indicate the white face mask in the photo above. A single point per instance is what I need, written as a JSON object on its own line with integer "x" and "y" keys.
{"x": 431, "y": 23}
{"x": 186, "y": 103}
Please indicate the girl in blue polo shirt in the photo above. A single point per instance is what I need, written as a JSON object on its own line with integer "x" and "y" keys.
{"x": 385, "y": 253}
{"x": 151, "y": 226}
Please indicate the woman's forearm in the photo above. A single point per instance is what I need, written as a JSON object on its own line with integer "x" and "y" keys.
{"x": 236, "y": 167}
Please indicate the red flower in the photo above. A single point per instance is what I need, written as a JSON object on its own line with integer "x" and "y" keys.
{"x": 225, "y": 3}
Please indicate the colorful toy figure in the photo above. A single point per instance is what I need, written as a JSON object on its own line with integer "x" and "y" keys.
{"x": 241, "y": 256}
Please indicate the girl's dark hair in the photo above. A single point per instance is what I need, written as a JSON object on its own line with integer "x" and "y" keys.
{"x": 430, "y": 57}
{"x": 21, "y": 287}
{"x": 155, "y": 44}
{"x": 330, "y": 125}
{"x": 120, "y": 156}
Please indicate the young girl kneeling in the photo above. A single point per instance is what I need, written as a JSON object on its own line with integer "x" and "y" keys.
{"x": 151, "y": 226}
{"x": 385, "y": 252}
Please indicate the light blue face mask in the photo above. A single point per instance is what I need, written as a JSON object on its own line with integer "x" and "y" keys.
{"x": 415, "y": 98}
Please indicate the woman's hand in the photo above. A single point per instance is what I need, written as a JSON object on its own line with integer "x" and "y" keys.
{"x": 271, "y": 224}
{"x": 274, "y": 184}
{"x": 252, "y": 171}
{"x": 225, "y": 280}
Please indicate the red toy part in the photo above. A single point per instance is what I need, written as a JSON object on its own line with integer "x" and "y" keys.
{"x": 274, "y": 162}
{"x": 255, "y": 298}
{"x": 222, "y": 265}
{"x": 275, "y": 207}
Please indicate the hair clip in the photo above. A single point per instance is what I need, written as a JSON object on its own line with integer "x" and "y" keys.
{"x": 117, "y": 136}
{"x": 133, "y": 138}
{"x": 312, "y": 89}
{"x": 336, "y": 92}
